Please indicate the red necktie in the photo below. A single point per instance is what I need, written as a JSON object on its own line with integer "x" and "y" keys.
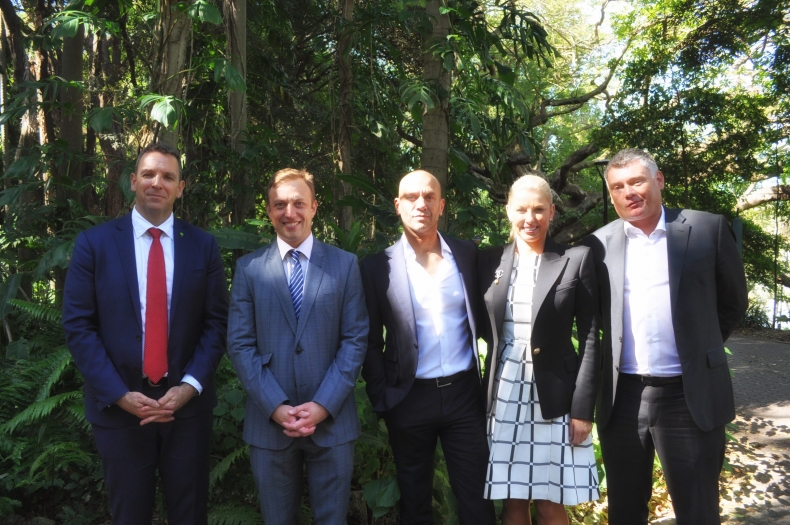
{"x": 155, "y": 354}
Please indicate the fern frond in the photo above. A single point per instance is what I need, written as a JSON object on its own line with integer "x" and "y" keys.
{"x": 39, "y": 410}
{"x": 222, "y": 468}
{"x": 234, "y": 515}
{"x": 40, "y": 312}
{"x": 59, "y": 361}
{"x": 63, "y": 455}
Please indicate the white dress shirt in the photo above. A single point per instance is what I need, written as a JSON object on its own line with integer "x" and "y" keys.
{"x": 649, "y": 346}
{"x": 142, "y": 246}
{"x": 305, "y": 251}
{"x": 440, "y": 315}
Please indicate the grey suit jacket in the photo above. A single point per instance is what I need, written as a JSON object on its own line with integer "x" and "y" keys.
{"x": 391, "y": 362}
{"x": 708, "y": 297}
{"x": 280, "y": 360}
{"x": 566, "y": 291}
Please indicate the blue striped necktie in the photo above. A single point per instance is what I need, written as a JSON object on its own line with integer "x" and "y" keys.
{"x": 296, "y": 285}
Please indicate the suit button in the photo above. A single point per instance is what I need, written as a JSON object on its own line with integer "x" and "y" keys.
{"x": 621, "y": 338}
{"x": 139, "y": 338}
{"x": 298, "y": 349}
{"x": 536, "y": 351}
{"x": 137, "y": 370}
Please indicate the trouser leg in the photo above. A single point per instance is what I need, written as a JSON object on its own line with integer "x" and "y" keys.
{"x": 329, "y": 473}
{"x": 278, "y": 476}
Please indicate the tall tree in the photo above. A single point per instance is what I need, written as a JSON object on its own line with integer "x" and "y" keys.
{"x": 346, "y": 77}
{"x": 172, "y": 44}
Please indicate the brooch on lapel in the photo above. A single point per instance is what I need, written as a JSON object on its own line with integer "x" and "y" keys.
{"x": 497, "y": 275}
{"x": 182, "y": 234}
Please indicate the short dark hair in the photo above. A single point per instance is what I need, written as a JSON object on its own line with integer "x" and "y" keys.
{"x": 287, "y": 174}
{"x": 159, "y": 147}
{"x": 628, "y": 156}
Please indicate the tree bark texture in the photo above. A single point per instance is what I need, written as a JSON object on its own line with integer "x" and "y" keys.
{"x": 108, "y": 48}
{"x": 72, "y": 109}
{"x": 173, "y": 34}
{"x": 235, "y": 12}
{"x": 346, "y": 78}
{"x": 436, "y": 120}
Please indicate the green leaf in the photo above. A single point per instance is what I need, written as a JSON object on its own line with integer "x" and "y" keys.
{"x": 203, "y": 11}
{"x": 231, "y": 239}
{"x": 233, "y": 79}
{"x": 506, "y": 74}
{"x": 234, "y": 397}
{"x": 68, "y": 26}
{"x": 8, "y": 291}
{"x": 18, "y": 349}
{"x": 165, "y": 113}
{"x": 100, "y": 119}
{"x": 57, "y": 256}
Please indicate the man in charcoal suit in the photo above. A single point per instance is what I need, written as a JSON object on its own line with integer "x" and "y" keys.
{"x": 145, "y": 311}
{"x": 424, "y": 377}
{"x": 672, "y": 291}
{"x": 297, "y": 334}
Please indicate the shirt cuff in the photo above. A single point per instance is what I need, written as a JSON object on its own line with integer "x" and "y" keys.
{"x": 194, "y": 382}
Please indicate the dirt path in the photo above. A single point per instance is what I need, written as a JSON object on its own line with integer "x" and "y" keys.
{"x": 758, "y": 489}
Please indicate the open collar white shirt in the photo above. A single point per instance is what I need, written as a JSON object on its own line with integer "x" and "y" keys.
{"x": 649, "y": 346}
{"x": 142, "y": 247}
{"x": 305, "y": 251}
{"x": 439, "y": 304}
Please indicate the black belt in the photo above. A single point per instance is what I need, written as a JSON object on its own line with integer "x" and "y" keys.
{"x": 653, "y": 380}
{"x": 440, "y": 382}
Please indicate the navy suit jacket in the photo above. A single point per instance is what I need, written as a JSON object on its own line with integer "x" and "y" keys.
{"x": 280, "y": 360}
{"x": 391, "y": 361}
{"x": 103, "y": 325}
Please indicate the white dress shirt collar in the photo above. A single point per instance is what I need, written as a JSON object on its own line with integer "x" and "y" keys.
{"x": 632, "y": 231}
{"x": 141, "y": 225}
{"x": 306, "y": 248}
{"x": 411, "y": 255}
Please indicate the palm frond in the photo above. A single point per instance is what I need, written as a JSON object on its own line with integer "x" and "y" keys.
{"x": 222, "y": 468}
{"x": 39, "y": 410}
{"x": 39, "y": 312}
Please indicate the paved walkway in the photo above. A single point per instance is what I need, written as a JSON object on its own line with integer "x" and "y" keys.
{"x": 758, "y": 490}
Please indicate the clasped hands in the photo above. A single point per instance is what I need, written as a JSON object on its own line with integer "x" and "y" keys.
{"x": 157, "y": 410}
{"x": 301, "y": 420}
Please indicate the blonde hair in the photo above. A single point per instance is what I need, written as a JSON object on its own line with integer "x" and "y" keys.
{"x": 529, "y": 183}
{"x": 287, "y": 174}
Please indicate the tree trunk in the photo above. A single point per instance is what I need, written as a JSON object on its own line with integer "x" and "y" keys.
{"x": 173, "y": 33}
{"x": 72, "y": 111}
{"x": 346, "y": 113}
{"x": 6, "y": 139}
{"x": 236, "y": 33}
{"x": 436, "y": 120}
{"x": 109, "y": 52}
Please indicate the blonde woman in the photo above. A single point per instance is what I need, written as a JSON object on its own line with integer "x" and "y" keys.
{"x": 541, "y": 390}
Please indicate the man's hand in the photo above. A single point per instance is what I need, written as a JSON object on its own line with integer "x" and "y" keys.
{"x": 579, "y": 430}
{"x": 147, "y": 409}
{"x": 308, "y": 416}
{"x": 283, "y": 417}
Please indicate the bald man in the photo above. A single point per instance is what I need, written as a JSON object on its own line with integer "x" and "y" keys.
{"x": 424, "y": 377}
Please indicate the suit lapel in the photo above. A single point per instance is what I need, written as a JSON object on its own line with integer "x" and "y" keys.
{"x": 677, "y": 243}
{"x": 615, "y": 264}
{"x": 124, "y": 241}
{"x": 496, "y": 295}
{"x": 398, "y": 292}
{"x": 315, "y": 272}
{"x": 274, "y": 269}
{"x": 551, "y": 266}
{"x": 467, "y": 280}
{"x": 181, "y": 256}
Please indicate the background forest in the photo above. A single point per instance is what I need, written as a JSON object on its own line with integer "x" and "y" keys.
{"x": 358, "y": 92}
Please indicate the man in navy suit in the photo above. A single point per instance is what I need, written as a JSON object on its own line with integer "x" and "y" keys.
{"x": 145, "y": 315}
{"x": 297, "y": 334}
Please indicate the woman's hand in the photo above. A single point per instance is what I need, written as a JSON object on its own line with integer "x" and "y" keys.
{"x": 579, "y": 430}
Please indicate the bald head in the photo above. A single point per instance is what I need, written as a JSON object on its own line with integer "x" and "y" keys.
{"x": 419, "y": 203}
{"x": 418, "y": 178}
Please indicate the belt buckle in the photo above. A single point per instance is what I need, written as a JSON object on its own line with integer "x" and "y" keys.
{"x": 439, "y": 385}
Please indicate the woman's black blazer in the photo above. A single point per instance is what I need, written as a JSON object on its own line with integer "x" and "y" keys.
{"x": 566, "y": 289}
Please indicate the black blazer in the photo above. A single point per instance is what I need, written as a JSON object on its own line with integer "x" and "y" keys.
{"x": 391, "y": 363}
{"x": 708, "y": 296}
{"x": 566, "y": 289}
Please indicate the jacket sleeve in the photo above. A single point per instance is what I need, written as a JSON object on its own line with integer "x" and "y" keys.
{"x": 251, "y": 367}
{"x": 341, "y": 377}
{"x": 731, "y": 292}
{"x": 81, "y": 325}
{"x": 373, "y": 368}
{"x": 587, "y": 326}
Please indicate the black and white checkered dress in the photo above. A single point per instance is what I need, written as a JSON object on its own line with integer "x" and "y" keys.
{"x": 531, "y": 457}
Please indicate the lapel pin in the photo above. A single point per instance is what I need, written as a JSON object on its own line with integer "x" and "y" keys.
{"x": 182, "y": 234}
{"x": 498, "y": 274}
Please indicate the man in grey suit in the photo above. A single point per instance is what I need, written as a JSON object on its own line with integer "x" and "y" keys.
{"x": 672, "y": 291}
{"x": 297, "y": 336}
